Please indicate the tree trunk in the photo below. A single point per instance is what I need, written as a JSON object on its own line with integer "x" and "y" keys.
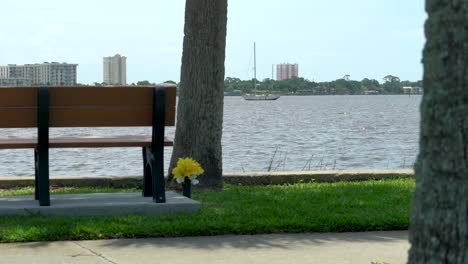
{"x": 200, "y": 107}
{"x": 439, "y": 220}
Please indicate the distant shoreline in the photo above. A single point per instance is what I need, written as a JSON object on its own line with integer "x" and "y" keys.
{"x": 229, "y": 95}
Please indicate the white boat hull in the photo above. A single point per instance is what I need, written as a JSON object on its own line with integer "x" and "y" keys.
{"x": 260, "y": 97}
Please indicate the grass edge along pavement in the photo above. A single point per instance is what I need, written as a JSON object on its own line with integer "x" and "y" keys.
{"x": 302, "y": 207}
{"x": 244, "y": 178}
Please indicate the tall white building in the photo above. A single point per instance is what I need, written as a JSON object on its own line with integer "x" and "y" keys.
{"x": 53, "y": 74}
{"x": 4, "y": 72}
{"x": 115, "y": 70}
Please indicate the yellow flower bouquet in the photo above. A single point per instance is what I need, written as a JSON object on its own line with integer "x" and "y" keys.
{"x": 186, "y": 173}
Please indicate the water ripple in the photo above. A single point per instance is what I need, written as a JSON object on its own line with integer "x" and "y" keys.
{"x": 292, "y": 133}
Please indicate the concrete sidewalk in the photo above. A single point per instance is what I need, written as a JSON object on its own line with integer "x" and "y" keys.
{"x": 336, "y": 248}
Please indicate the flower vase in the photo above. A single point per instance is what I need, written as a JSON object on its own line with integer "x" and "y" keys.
{"x": 187, "y": 187}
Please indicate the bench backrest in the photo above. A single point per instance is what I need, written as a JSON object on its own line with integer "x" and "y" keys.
{"x": 85, "y": 106}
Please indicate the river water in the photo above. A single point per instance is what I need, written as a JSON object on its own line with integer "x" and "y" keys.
{"x": 292, "y": 133}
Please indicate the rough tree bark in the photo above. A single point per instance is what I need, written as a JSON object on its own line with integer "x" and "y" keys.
{"x": 439, "y": 220}
{"x": 201, "y": 98}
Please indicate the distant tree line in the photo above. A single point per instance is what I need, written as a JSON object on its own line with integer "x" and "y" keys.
{"x": 139, "y": 83}
{"x": 299, "y": 86}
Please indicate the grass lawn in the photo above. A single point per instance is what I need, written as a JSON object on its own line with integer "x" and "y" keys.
{"x": 304, "y": 207}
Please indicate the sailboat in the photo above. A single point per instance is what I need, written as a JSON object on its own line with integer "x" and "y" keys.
{"x": 258, "y": 97}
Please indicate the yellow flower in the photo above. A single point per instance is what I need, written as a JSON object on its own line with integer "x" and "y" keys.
{"x": 186, "y": 167}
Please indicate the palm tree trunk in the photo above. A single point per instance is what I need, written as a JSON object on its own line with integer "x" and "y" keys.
{"x": 439, "y": 220}
{"x": 200, "y": 108}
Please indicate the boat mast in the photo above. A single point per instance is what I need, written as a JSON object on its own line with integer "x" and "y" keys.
{"x": 255, "y": 70}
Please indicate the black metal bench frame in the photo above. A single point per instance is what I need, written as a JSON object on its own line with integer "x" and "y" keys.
{"x": 153, "y": 156}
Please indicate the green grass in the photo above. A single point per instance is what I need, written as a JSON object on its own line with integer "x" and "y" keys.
{"x": 305, "y": 207}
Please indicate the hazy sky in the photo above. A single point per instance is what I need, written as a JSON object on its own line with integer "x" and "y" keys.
{"x": 327, "y": 38}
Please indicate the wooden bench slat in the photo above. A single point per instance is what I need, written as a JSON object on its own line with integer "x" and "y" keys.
{"x": 23, "y": 117}
{"x": 101, "y": 117}
{"x": 14, "y": 97}
{"x": 82, "y": 142}
{"x": 103, "y": 96}
{"x": 81, "y": 117}
{"x": 84, "y": 106}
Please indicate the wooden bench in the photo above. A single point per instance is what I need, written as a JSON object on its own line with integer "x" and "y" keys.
{"x": 88, "y": 106}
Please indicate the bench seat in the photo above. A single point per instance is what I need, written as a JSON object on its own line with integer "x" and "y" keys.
{"x": 82, "y": 142}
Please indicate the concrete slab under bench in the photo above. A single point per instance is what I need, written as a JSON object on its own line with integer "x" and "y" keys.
{"x": 98, "y": 204}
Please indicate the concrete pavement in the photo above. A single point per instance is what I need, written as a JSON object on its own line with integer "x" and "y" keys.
{"x": 361, "y": 247}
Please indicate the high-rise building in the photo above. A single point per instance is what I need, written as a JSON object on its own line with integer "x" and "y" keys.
{"x": 15, "y": 82}
{"x": 115, "y": 70}
{"x": 4, "y": 72}
{"x": 53, "y": 74}
{"x": 56, "y": 73}
{"x": 286, "y": 71}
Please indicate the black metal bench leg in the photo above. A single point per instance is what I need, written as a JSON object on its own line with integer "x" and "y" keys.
{"x": 36, "y": 181}
{"x": 157, "y": 145}
{"x": 42, "y": 151}
{"x": 147, "y": 177}
{"x": 43, "y": 177}
{"x": 157, "y": 171}
{"x": 153, "y": 181}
